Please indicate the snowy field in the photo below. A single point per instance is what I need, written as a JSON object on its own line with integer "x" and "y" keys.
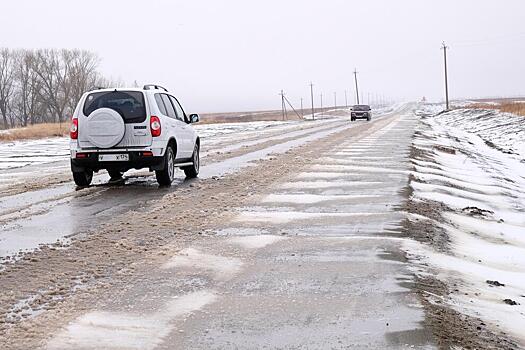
{"x": 503, "y": 131}
{"x": 472, "y": 162}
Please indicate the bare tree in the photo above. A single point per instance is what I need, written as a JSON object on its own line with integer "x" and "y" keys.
{"x": 52, "y": 67}
{"x": 28, "y": 104}
{"x": 6, "y": 84}
{"x": 45, "y": 85}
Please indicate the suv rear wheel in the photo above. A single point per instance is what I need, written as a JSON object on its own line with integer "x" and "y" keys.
{"x": 167, "y": 174}
{"x": 83, "y": 178}
{"x": 193, "y": 170}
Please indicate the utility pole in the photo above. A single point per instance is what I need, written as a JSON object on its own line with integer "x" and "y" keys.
{"x": 302, "y": 111}
{"x": 312, "y": 98}
{"x": 346, "y": 100}
{"x": 444, "y": 48}
{"x": 356, "y": 86}
{"x": 283, "y": 106}
{"x": 335, "y": 99}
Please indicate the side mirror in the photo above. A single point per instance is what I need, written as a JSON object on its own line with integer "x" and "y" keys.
{"x": 194, "y": 118}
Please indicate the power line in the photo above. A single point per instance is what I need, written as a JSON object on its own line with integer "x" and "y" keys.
{"x": 489, "y": 41}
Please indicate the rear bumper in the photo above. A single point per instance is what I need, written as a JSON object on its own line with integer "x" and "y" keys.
{"x": 136, "y": 161}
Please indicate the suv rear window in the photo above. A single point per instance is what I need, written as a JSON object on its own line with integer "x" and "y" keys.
{"x": 129, "y": 104}
{"x": 361, "y": 108}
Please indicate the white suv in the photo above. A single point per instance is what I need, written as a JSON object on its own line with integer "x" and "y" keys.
{"x": 122, "y": 129}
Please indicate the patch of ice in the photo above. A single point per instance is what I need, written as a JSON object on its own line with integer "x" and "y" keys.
{"x": 354, "y": 168}
{"x": 312, "y": 198}
{"x": 116, "y": 330}
{"x": 324, "y": 175}
{"x": 325, "y": 184}
{"x": 222, "y": 267}
{"x": 289, "y": 216}
{"x": 256, "y": 242}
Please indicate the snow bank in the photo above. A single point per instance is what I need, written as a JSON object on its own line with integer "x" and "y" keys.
{"x": 503, "y": 131}
{"x": 467, "y": 165}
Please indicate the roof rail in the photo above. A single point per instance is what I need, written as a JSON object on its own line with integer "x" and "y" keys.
{"x": 154, "y": 86}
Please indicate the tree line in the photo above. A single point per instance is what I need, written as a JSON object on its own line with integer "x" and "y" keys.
{"x": 44, "y": 86}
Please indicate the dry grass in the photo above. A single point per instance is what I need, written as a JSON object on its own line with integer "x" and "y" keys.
{"x": 36, "y": 131}
{"x": 508, "y": 107}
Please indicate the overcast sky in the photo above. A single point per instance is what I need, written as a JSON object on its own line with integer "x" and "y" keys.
{"x": 224, "y": 55}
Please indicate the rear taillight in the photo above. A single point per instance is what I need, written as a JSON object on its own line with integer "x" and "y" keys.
{"x": 155, "y": 126}
{"x": 73, "y": 131}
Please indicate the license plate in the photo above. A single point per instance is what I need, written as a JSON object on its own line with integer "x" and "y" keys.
{"x": 113, "y": 157}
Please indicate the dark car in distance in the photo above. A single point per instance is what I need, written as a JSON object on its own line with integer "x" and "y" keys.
{"x": 361, "y": 112}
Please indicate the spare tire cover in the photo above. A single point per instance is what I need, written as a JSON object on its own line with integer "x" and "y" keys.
{"x": 105, "y": 128}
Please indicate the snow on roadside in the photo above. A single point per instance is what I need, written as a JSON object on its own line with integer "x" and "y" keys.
{"x": 503, "y": 131}
{"x": 484, "y": 189}
{"x": 15, "y": 154}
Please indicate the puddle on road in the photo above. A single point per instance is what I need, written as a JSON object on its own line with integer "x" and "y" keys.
{"x": 71, "y": 215}
{"x": 24, "y": 199}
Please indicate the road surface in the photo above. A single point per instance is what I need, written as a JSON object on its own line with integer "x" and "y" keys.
{"x": 292, "y": 238}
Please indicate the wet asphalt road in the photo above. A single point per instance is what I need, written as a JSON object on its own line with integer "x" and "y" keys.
{"x": 56, "y": 213}
{"x": 314, "y": 263}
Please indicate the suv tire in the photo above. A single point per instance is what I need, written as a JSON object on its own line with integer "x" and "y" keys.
{"x": 167, "y": 174}
{"x": 192, "y": 171}
{"x": 83, "y": 178}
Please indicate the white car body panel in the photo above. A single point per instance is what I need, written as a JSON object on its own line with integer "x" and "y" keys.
{"x": 137, "y": 136}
